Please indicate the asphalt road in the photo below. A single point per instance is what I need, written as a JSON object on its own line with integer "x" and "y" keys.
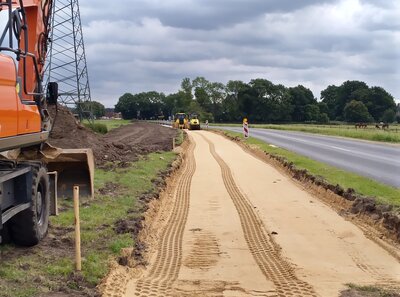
{"x": 377, "y": 161}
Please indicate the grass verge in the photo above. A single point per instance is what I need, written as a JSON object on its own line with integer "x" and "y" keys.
{"x": 362, "y": 185}
{"x": 392, "y": 135}
{"x": 180, "y": 137}
{"x": 49, "y": 266}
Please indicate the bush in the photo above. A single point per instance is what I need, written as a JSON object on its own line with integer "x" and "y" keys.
{"x": 323, "y": 118}
{"x": 389, "y": 116}
{"x": 97, "y": 127}
{"x": 355, "y": 111}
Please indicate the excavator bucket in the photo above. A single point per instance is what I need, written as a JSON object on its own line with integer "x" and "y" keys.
{"x": 66, "y": 167}
{"x": 73, "y": 167}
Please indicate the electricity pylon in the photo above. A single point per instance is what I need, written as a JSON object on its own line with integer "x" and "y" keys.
{"x": 66, "y": 58}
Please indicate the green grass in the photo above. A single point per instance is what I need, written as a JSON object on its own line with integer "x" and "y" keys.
{"x": 14, "y": 273}
{"x": 112, "y": 124}
{"x": 9, "y": 272}
{"x": 97, "y": 127}
{"x": 362, "y": 185}
{"x": 95, "y": 266}
{"x": 371, "y": 133}
{"x": 98, "y": 238}
{"x": 104, "y": 126}
{"x": 106, "y": 210}
{"x": 120, "y": 243}
{"x": 180, "y": 137}
{"x": 61, "y": 267}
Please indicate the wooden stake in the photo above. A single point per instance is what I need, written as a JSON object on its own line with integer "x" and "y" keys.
{"x": 78, "y": 260}
{"x": 173, "y": 143}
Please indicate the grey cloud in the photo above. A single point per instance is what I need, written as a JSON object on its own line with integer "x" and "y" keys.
{"x": 216, "y": 14}
{"x": 151, "y": 45}
{"x": 199, "y": 15}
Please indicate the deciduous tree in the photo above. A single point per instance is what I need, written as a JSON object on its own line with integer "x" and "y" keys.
{"x": 356, "y": 111}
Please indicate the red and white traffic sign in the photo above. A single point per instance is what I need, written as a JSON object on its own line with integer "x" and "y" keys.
{"x": 245, "y": 128}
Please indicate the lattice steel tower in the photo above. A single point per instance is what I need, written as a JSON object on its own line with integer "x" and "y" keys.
{"x": 66, "y": 57}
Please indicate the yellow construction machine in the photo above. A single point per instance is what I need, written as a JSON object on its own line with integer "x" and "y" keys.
{"x": 194, "y": 123}
{"x": 181, "y": 121}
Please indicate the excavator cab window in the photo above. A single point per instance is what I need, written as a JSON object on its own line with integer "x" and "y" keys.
{"x": 11, "y": 29}
{"x": 7, "y": 43}
{"x": 14, "y": 41}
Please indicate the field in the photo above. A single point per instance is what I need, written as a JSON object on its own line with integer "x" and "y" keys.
{"x": 370, "y": 133}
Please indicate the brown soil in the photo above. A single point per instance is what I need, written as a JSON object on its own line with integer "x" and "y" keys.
{"x": 123, "y": 144}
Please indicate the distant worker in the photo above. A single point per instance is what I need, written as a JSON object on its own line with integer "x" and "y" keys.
{"x": 207, "y": 124}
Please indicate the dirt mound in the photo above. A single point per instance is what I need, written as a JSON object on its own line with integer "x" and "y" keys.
{"x": 123, "y": 144}
{"x": 69, "y": 133}
{"x": 142, "y": 136}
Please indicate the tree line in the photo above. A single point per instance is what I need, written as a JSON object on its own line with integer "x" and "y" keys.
{"x": 262, "y": 102}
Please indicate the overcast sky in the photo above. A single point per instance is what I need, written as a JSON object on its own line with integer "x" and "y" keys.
{"x": 143, "y": 45}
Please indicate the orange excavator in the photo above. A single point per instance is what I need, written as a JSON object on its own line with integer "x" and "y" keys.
{"x": 32, "y": 173}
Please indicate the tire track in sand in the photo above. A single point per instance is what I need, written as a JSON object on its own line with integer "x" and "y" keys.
{"x": 165, "y": 269}
{"x": 264, "y": 250}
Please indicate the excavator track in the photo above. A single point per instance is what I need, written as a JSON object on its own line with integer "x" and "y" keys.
{"x": 165, "y": 269}
{"x": 263, "y": 248}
